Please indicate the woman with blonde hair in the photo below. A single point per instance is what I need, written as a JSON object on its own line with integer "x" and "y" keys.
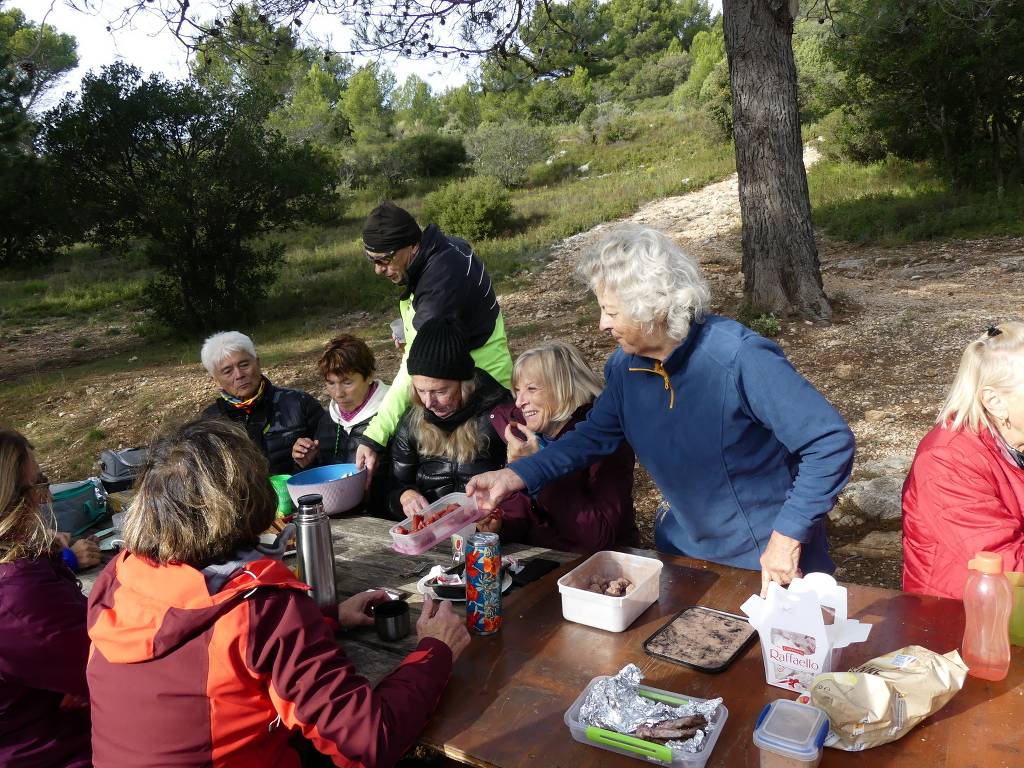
{"x": 207, "y": 650}
{"x": 965, "y": 490}
{"x": 446, "y": 436}
{"x": 587, "y": 510}
{"x": 747, "y": 454}
{"x": 44, "y": 718}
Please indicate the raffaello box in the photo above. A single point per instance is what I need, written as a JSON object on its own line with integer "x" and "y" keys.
{"x": 803, "y": 629}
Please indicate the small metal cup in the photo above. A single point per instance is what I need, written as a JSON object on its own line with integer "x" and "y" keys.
{"x": 391, "y": 619}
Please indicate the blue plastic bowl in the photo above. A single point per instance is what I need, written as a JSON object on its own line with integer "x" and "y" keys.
{"x": 340, "y": 485}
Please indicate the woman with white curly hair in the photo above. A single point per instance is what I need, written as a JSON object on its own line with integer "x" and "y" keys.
{"x": 748, "y": 455}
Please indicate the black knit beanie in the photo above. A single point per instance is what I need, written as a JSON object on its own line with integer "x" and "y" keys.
{"x": 389, "y": 228}
{"x": 440, "y": 351}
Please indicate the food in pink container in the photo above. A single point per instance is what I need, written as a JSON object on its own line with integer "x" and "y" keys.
{"x": 435, "y": 524}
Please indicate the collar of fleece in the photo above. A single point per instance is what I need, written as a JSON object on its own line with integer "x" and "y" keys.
{"x": 140, "y": 611}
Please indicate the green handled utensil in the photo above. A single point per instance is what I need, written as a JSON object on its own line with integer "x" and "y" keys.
{"x": 648, "y": 749}
{"x": 675, "y": 701}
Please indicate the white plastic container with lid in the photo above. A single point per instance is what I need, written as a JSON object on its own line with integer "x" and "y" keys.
{"x": 790, "y": 735}
{"x": 603, "y": 611}
{"x": 418, "y": 542}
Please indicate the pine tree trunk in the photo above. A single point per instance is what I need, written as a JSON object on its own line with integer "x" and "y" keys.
{"x": 780, "y": 259}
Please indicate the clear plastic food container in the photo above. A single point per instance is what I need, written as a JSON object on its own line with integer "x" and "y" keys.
{"x": 422, "y": 540}
{"x": 641, "y": 749}
{"x": 614, "y": 614}
{"x": 790, "y": 735}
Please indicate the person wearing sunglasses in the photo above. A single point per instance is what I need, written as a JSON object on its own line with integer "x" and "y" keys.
{"x": 442, "y": 279}
{"x": 44, "y": 719}
{"x": 965, "y": 490}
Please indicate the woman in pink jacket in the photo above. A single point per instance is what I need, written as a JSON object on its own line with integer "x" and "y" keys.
{"x": 965, "y": 491}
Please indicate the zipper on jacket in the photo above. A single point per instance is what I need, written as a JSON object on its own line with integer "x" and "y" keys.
{"x": 660, "y": 370}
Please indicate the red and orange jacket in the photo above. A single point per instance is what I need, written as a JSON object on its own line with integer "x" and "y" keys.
{"x": 963, "y": 495}
{"x": 181, "y": 677}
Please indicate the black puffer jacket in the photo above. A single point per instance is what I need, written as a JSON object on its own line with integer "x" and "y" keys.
{"x": 448, "y": 280}
{"x": 280, "y": 418}
{"x": 435, "y": 476}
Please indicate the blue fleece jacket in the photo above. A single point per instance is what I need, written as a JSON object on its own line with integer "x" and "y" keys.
{"x": 737, "y": 441}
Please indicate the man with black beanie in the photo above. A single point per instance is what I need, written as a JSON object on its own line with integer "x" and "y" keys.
{"x": 443, "y": 279}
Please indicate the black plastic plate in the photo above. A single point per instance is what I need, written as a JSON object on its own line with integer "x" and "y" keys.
{"x": 727, "y": 635}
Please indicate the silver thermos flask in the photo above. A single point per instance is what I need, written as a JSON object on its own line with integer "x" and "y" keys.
{"x": 316, "y": 551}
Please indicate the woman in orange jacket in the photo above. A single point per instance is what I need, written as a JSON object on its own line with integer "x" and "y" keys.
{"x": 207, "y": 652}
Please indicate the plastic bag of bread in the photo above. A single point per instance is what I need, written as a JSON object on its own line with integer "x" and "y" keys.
{"x": 881, "y": 700}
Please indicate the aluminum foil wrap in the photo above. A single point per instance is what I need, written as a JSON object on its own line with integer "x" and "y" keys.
{"x": 615, "y": 704}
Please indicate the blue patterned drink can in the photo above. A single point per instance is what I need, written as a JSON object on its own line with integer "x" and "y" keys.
{"x": 483, "y": 583}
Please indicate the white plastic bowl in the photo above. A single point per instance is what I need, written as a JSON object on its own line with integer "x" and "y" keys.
{"x": 341, "y": 485}
{"x": 614, "y": 614}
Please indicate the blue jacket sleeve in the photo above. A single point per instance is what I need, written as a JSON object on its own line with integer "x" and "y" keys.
{"x": 599, "y": 435}
{"x": 782, "y": 400}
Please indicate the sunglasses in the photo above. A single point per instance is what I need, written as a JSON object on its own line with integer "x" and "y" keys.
{"x": 381, "y": 260}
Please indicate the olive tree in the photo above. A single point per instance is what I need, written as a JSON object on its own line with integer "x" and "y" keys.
{"x": 196, "y": 177}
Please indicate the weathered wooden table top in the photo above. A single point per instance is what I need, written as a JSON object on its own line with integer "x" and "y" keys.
{"x": 364, "y": 560}
{"x": 509, "y": 692}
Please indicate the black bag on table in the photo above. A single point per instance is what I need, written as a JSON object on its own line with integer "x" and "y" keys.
{"x": 118, "y": 469}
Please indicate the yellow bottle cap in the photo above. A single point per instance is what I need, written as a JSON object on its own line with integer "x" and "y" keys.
{"x": 986, "y": 562}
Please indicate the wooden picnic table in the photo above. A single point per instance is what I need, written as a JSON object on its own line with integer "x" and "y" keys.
{"x": 505, "y": 703}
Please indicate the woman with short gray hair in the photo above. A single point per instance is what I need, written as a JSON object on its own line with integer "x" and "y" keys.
{"x": 748, "y": 456}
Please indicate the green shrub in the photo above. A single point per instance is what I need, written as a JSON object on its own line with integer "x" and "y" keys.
{"x": 716, "y": 99}
{"x": 507, "y": 150}
{"x": 473, "y": 208}
{"x": 561, "y": 100}
{"x": 551, "y": 171}
{"x": 848, "y": 135}
{"x": 658, "y": 76}
{"x": 766, "y": 325}
{"x": 613, "y": 122}
{"x": 429, "y": 155}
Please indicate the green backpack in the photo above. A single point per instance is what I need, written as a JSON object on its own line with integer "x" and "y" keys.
{"x": 77, "y": 506}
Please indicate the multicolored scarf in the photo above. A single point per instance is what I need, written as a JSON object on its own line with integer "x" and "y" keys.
{"x": 245, "y": 405}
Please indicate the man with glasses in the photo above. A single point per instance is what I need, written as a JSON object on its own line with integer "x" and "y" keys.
{"x": 443, "y": 278}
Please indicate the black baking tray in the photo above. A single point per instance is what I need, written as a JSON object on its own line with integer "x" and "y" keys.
{"x": 713, "y": 670}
